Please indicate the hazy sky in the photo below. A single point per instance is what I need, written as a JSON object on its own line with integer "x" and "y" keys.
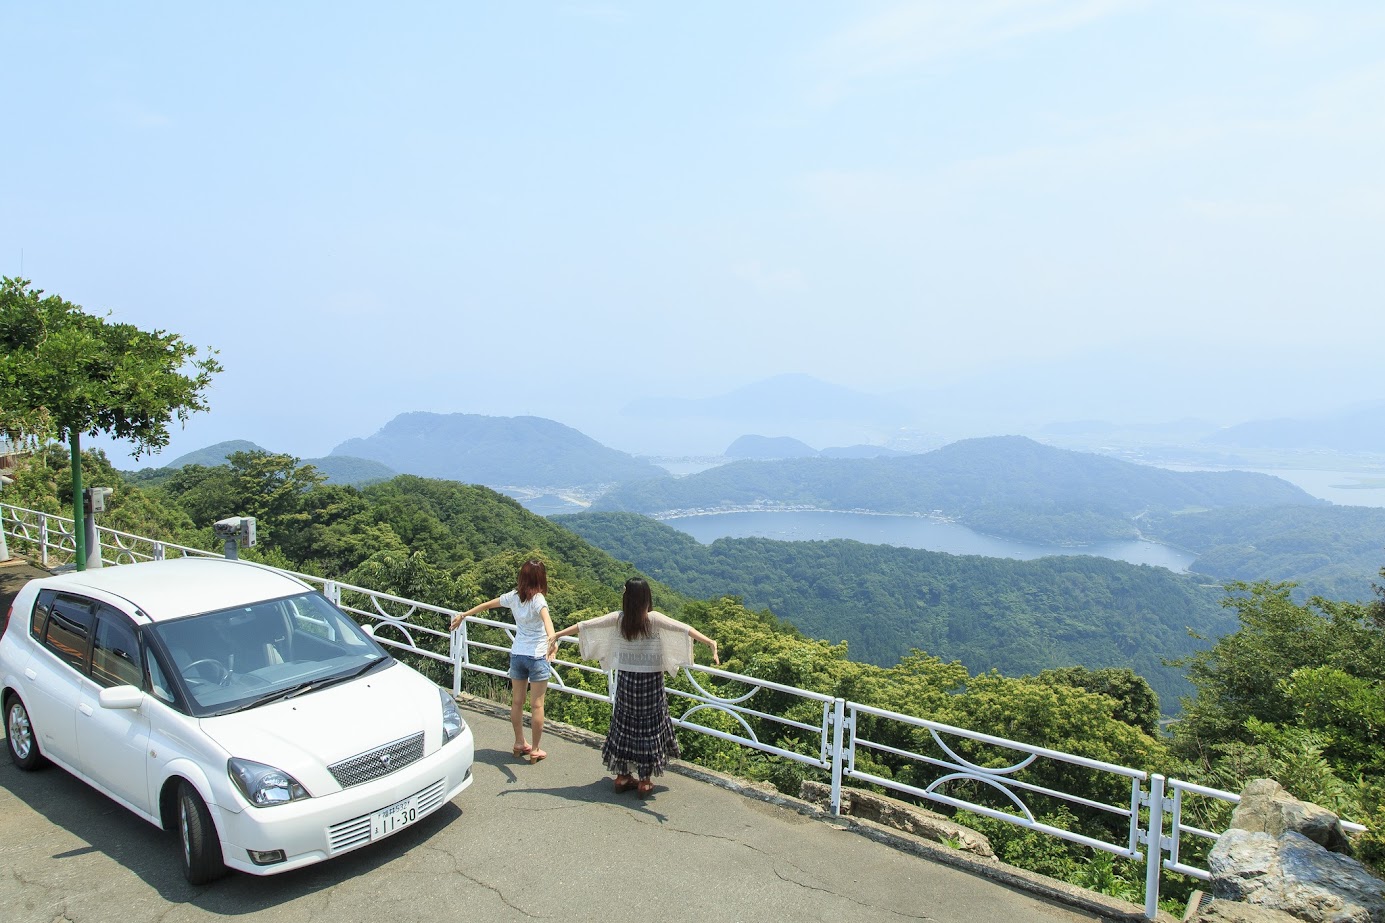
{"x": 545, "y": 208}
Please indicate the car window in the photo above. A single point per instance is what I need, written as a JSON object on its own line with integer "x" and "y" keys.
{"x": 42, "y": 605}
{"x": 115, "y": 651}
{"x": 158, "y": 677}
{"x": 306, "y": 618}
{"x": 240, "y": 657}
{"x": 68, "y": 631}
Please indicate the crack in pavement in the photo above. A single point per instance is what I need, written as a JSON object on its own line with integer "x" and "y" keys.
{"x": 775, "y": 862}
{"x": 784, "y": 878}
{"x": 500, "y": 894}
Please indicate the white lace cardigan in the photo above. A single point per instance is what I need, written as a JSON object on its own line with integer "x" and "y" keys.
{"x": 668, "y": 648}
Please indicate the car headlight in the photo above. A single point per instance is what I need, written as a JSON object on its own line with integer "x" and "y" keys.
{"x": 452, "y": 723}
{"x": 264, "y": 785}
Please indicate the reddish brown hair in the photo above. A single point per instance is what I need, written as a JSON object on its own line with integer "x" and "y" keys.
{"x": 634, "y": 609}
{"x": 532, "y": 579}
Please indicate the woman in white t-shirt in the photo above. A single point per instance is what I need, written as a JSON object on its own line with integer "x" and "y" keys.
{"x": 533, "y": 647}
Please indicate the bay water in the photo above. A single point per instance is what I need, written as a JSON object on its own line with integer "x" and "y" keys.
{"x": 909, "y": 532}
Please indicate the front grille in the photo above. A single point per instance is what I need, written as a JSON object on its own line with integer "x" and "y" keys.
{"x": 356, "y": 832}
{"x": 379, "y": 762}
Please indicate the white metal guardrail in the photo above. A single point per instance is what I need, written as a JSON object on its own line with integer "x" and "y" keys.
{"x": 1004, "y": 779}
{"x": 833, "y": 742}
{"x": 1175, "y": 794}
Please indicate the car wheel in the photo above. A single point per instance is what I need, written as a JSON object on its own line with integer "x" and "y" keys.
{"x": 200, "y": 847}
{"x": 19, "y": 735}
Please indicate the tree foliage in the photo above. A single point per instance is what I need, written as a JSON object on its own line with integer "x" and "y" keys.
{"x": 1296, "y": 694}
{"x": 64, "y": 372}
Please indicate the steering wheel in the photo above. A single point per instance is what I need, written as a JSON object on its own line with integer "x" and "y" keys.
{"x": 222, "y": 674}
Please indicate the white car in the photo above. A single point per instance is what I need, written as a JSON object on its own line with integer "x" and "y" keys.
{"x": 232, "y": 703}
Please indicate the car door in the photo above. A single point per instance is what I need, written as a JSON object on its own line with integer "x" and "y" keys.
{"x": 55, "y": 674}
{"x": 114, "y": 742}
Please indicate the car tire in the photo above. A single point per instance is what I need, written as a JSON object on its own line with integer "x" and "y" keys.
{"x": 19, "y": 735}
{"x": 199, "y": 846}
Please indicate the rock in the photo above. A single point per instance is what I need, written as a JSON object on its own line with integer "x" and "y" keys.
{"x": 900, "y": 815}
{"x": 1235, "y": 912}
{"x": 1267, "y": 808}
{"x": 1293, "y": 874}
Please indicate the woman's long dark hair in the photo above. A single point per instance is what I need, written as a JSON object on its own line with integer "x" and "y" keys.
{"x": 532, "y": 579}
{"x": 634, "y": 609}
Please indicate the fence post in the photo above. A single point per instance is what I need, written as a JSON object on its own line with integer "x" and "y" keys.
{"x": 43, "y": 539}
{"x": 1154, "y": 845}
{"x": 838, "y": 723}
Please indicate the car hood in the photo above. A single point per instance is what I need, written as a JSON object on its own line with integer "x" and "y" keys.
{"x": 305, "y": 734}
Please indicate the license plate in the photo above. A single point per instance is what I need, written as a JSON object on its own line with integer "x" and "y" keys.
{"x": 387, "y": 820}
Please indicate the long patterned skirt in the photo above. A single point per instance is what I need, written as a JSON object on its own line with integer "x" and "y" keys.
{"x": 641, "y": 739}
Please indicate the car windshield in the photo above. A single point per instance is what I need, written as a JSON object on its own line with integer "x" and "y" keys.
{"x": 249, "y": 655}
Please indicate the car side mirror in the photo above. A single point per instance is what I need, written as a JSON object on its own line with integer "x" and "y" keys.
{"x": 368, "y": 629}
{"x": 121, "y": 697}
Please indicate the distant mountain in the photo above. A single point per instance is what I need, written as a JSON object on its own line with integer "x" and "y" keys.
{"x": 497, "y": 452}
{"x": 769, "y": 447}
{"x": 214, "y": 455}
{"x": 1003, "y": 485}
{"x": 1188, "y": 428}
{"x": 1359, "y": 430}
{"x": 861, "y": 451}
{"x": 348, "y": 469}
{"x": 339, "y": 469}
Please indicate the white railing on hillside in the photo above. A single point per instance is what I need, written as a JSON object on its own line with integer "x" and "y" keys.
{"x": 1175, "y": 794}
{"x": 837, "y": 746}
{"x": 958, "y": 770}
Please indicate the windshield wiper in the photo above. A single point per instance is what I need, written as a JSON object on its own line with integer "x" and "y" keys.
{"x": 288, "y": 693}
{"x": 311, "y": 684}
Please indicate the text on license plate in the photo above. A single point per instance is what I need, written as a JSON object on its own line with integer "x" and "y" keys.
{"x": 387, "y": 820}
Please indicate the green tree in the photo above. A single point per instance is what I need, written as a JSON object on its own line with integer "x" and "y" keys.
{"x": 1136, "y": 703}
{"x": 1294, "y": 695}
{"x": 64, "y": 372}
{"x": 1287, "y": 663}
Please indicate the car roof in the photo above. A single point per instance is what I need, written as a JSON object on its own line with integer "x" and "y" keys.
{"x": 178, "y": 587}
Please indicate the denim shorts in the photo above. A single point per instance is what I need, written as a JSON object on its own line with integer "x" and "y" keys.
{"x": 534, "y": 669}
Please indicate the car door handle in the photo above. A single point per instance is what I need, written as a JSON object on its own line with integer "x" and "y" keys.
{"x": 30, "y": 674}
{"x": 85, "y": 709}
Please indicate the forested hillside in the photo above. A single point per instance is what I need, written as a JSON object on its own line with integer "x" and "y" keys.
{"x": 1018, "y": 617}
{"x": 1330, "y": 551}
{"x": 1009, "y": 486}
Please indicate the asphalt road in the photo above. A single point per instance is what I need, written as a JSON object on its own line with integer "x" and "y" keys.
{"x": 548, "y": 841}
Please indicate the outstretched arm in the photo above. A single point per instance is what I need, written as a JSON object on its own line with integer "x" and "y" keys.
{"x": 489, "y": 604}
{"x": 699, "y": 636}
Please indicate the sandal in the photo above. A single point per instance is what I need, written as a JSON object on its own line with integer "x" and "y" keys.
{"x": 623, "y": 784}
{"x": 646, "y": 788}
{"x": 521, "y": 751}
{"x": 536, "y": 755}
